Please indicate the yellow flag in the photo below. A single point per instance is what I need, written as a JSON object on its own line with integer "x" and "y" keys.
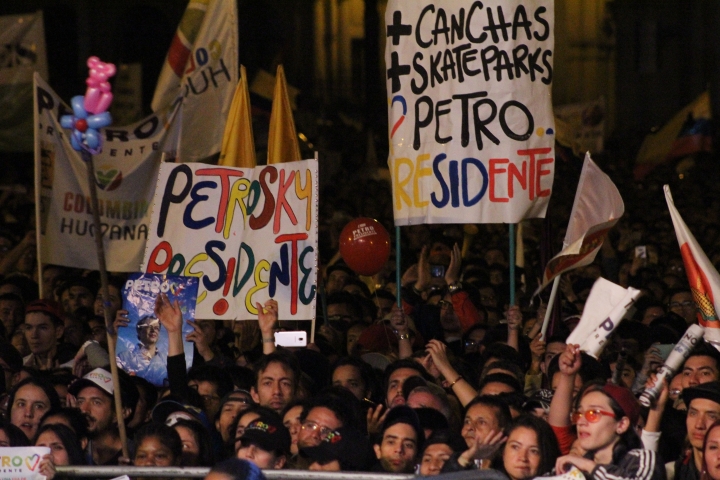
{"x": 282, "y": 139}
{"x": 238, "y": 146}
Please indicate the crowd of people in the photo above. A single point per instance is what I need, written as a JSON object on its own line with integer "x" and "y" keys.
{"x": 454, "y": 378}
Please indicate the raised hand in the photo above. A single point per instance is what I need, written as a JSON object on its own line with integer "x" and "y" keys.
{"x": 168, "y": 313}
{"x": 452, "y": 274}
{"x": 570, "y": 360}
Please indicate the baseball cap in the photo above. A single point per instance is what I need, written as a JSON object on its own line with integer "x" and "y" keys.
{"x": 103, "y": 380}
{"x": 625, "y": 398}
{"x": 539, "y": 399}
{"x": 709, "y": 391}
{"x": 346, "y": 445}
{"x": 269, "y": 434}
{"x": 170, "y": 411}
{"x": 50, "y": 308}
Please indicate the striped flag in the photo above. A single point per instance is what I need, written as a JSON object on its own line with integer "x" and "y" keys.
{"x": 702, "y": 276}
{"x": 201, "y": 67}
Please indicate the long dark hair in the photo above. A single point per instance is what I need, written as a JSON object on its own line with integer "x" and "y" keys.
{"x": 16, "y": 436}
{"x": 167, "y": 436}
{"x": 68, "y": 439}
{"x": 704, "y": 475}
{"x": 206, "y": 455}
{"x": 547, "y": 443}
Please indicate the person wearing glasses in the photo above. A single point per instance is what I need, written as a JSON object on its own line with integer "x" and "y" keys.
{"x": 144, "y": 358}
{"x": 682, "y": 303}
{"x": 605, "y": 420}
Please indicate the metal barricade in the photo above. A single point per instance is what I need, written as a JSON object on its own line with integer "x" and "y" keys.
{"x": 200, "y": 472}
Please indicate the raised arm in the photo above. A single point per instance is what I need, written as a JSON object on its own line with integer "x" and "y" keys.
{"x": 561, "y": 405}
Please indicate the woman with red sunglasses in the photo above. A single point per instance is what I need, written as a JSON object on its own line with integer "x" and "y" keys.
{"x": 605, "y": 420}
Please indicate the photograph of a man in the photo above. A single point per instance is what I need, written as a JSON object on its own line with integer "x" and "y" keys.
{"x": 144, "y": 358}
{"x": 142, "y": 339}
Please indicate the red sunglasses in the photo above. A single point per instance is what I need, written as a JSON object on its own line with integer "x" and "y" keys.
{"x": 592, "y": 416}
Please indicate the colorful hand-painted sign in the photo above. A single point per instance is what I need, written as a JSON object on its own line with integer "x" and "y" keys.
{"x": 249, "y": 234}
{"x": 469, "y": 108}
{"x": 22, "y": 463}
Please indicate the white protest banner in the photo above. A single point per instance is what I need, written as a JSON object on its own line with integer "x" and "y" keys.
{"x": 21, "y": 463}
{"x": 22, "y": 38}
{"x": 470, "y": 109}
{"x": 604, "y": 309}
{"x": 249, "y": 234}
{"x": 201, "y": 66}
{"x": 125, "y": 173}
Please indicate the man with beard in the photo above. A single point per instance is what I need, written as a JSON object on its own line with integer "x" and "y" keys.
{"x": 145, "y": 359}
{"x": 94, "y": 395}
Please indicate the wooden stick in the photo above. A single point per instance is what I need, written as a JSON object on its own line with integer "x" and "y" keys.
{"x": 398, "y": 273}
{"x": 110, "y": 331}
{"x": 511, "y": 228}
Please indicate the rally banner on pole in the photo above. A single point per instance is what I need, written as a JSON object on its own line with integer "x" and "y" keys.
{"x": 202, "y": 67}
{"x": 249, "y": 234}
{"x": 125, "y": 174}
{"x": 703, "y": 278}
{"x": 470, "y": 109}
{"x": 22, "y": 38}
{"x": 596, "y": 209}
{"x": 22, "y": 463}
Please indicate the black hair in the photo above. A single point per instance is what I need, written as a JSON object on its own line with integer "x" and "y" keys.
{"x": 501, "y": 350}
{"x": 704, "y": 349}
{"x": 68, "y": 438}
{"x": 353, "y": 306}
{"x": 341, "y": 402}
{"x": 206, "y": 454}
{"x": 403, "y": 363}
{"x": 502, "y": 411}
{"x": 147, "y": 390}
{"x": 546, "y": 441}
{"x": 359, "y": 283}
{"x": 167, "y": 436}
{"x": 40, "y": 383}
{"x": 213, "y": 374}
{"x": 447, "y": 437}
{"x": 77, "y": 420}
{"x": 504, "y": 365}
{"x": 366, "y": 372}
{"x": 287, "y": 360}
{"x": 503, "y": 378}
{"x": 16, "y": 436}
{"x": 237, "y": 469}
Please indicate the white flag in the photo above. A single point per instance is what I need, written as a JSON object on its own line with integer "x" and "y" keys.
{"x": 202, "y": 67}
{"x": 597, "y": 208}
{"x": 605, "y": 308}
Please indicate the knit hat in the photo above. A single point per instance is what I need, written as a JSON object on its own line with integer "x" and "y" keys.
{"x": 625, "y": 398}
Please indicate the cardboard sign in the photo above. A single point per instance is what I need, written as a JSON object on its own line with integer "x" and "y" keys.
{"x": 470, "y": 110}
{"x": 21, "y": 463}
{"x": 248, "y": 234}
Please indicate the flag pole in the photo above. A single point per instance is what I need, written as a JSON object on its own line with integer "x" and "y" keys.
{"x": 550, "y": 305}
{"x": 398, "y": 273}
{"x": 89, "y": 115}
{"x": 110, "y": 331}
{"x": 512, "y": 263}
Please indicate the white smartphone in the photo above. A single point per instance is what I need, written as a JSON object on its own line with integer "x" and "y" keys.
{"x": 291, "y": 339}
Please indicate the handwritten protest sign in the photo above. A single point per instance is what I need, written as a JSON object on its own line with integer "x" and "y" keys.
{"x": 249, "y": 234}
{"x": 21, "y": 463}
{"x": 142, "y": 346}
{"x": 469, "y": 108}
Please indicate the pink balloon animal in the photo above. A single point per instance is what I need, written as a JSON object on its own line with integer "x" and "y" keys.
{"x": 98, "y": 95}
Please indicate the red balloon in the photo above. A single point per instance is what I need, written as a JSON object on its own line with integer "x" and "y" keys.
{"x": 365, "y": 245}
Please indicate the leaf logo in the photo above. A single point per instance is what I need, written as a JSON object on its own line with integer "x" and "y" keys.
{"x": 108, "y": 180}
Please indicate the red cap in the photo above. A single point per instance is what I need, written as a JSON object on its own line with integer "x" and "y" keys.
{"x": 49, "y": 307}
{"x": 625, "y": 398}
